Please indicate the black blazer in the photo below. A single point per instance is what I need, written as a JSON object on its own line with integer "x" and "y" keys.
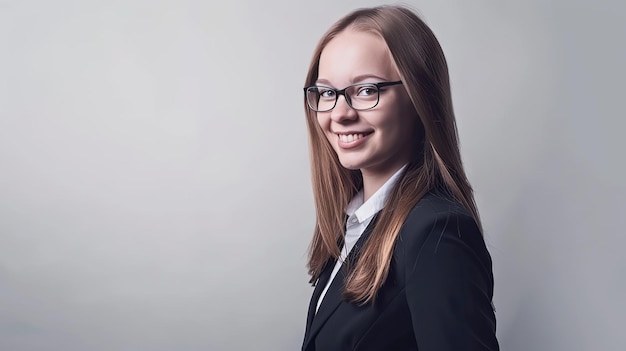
{"x": 437, "y": 296}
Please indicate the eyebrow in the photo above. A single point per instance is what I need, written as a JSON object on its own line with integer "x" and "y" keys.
{"x": 354, "y": 79}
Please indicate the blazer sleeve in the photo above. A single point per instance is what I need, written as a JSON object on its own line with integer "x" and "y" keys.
{"x": 449, "y": 283}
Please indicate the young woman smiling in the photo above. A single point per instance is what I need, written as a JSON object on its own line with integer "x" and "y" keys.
{"x": 397, "y": 256}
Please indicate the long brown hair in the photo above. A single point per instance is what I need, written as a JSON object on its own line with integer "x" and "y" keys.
{"x": 423, "y": 70}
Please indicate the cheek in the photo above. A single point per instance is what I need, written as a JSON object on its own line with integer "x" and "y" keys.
{"x": 324, "y": 123}
{"x": 401, "y": 127}
{"x": 407, "y": 117}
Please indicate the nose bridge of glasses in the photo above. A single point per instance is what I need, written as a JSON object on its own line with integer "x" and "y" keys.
{"x": 346, "y": 94}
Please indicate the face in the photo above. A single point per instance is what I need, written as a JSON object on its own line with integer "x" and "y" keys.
{"x": 376, "y": 141}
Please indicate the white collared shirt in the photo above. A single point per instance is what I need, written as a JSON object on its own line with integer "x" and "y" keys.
{"x": 360, "y": 215}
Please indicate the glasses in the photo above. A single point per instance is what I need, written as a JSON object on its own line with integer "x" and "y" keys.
{"x": 360, "y": 97}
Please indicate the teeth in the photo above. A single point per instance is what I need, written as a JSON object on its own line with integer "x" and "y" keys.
{"x": 348, "y": 138}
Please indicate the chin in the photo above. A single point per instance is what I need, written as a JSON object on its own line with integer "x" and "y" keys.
{"x": 352, "y": 165}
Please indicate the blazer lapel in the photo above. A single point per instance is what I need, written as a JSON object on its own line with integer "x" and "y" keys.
{"x": 333, "y": 297}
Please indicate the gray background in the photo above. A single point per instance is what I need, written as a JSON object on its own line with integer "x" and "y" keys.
{"x": 154, "y": 176}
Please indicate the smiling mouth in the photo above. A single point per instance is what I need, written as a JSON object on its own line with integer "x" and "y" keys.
{"x": 348, "y": 138}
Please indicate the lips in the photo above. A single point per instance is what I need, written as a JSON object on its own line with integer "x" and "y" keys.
{"x": 349, "y": 140}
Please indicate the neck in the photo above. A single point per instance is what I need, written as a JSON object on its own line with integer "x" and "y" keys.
{"x": 372, "y": 181}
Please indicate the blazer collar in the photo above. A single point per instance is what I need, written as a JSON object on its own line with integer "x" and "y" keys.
{"x": 333, "y": 297}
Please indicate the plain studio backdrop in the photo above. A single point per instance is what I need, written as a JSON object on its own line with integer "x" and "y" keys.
{"x": 154, "y": 175}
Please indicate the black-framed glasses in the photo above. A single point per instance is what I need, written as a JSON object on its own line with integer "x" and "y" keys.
{"x": 363, "y": 96}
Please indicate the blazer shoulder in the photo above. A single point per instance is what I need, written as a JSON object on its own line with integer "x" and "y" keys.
{"x": 433, "y": 209}
{"x": 433, "y": 204}
{"x": 435, "y": 218}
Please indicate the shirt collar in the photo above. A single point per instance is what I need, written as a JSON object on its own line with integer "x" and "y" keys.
{"x": 375, "y": 203}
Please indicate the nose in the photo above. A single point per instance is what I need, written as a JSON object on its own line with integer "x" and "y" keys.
{"x": 342, "y": 111}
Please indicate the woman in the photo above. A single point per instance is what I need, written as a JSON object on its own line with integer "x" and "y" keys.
{"x": 397, "y": 256}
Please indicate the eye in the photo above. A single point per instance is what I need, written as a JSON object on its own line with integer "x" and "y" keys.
{"x": 368, "y": 90}
{"x": 326, "y": 93}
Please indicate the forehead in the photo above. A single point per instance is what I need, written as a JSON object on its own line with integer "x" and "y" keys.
{"x": 354, "y": 56}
